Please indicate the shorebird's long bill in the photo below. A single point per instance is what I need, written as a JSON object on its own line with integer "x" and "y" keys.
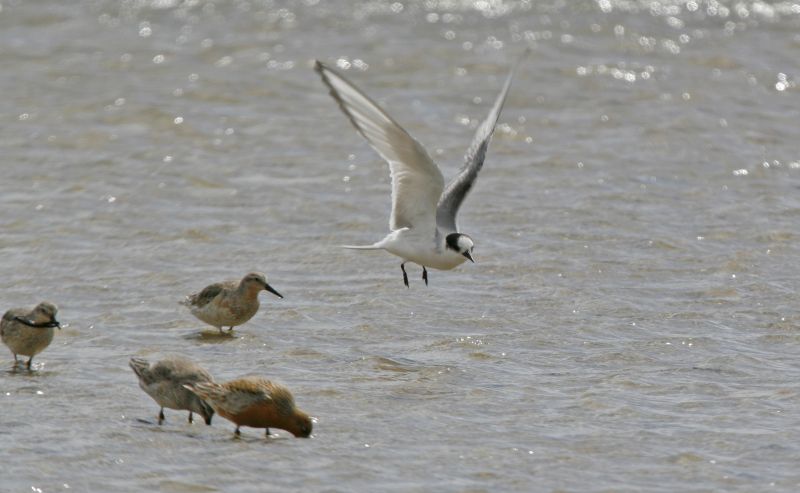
{"x": 272, "y": 290}
{"x": 56, "y": 323}
{"x": 469, "y": 256}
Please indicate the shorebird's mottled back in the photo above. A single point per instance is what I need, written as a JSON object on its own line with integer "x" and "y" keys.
{"x": 164, "y": 381}
{"x": 229, "y": 303}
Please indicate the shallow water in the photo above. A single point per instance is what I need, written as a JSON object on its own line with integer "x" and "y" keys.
{"x": 631, "y": 323}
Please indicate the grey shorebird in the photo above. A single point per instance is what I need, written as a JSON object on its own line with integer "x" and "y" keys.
{"x": 255, "y": 402}
{"x": 29, "y": 332}
{"x": 164, "y": 381}
{"x": 423, "y": 226}
{"x": 229, "y": 303}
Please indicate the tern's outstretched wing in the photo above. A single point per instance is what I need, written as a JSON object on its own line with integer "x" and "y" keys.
{"x": 458, "y": 188}
{"x": 417, "y": 183}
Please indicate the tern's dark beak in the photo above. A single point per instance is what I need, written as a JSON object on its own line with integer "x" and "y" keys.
{"x": 272, "y": 290}
{"x": 469, "y": 256}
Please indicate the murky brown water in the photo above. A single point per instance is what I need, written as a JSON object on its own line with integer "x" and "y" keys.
{"x": 632, "y": 322}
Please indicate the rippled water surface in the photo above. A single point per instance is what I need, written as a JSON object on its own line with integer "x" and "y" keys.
{"x": 632, "y": 323}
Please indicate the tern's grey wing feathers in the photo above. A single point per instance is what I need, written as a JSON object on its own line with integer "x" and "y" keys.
{"x": 460, "y": 186}
{"x": 417, "y": 183}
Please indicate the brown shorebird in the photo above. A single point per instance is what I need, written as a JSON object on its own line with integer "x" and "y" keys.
{"x": 229, "y": 303}
{"x": 255, "y": 402}
{"x": 164, "y": 381}
{"x": 29, "y": 332}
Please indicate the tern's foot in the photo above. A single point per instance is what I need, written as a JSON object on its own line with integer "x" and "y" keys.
{"x": 405, "y": 276}
{"x": 425, "y": 275}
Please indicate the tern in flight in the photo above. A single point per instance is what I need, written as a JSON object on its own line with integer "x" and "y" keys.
{"x": 423, "y": 222}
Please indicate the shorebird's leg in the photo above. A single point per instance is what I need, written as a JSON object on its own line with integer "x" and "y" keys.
{"x": 28, "y": 364}
{"x": 268, "y": 433}
{"x": 237, "y": 433}
{"x": 425, "y": 275}
{"x": 405, "y": 276}
{"x": 220, "y": 330}
{"x": 161, "y": 416}
{"x": 190, "y": 417}
{"x": 15, "y": 358}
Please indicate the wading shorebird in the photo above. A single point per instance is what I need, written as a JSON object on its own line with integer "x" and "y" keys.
{"x": 164, "y": 381}
{"x": 423, "y": 218}
{"x": 29, "y": 332}
{"x": 255, "y": 402}
{"x": 229, "y": 303}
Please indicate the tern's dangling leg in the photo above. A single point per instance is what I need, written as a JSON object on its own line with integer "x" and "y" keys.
{"x": 405, "y": 276}
{"x": 425, "y": 275}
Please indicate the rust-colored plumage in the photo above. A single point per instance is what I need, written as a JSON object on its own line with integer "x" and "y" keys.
{"x": 255, "y": 402}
